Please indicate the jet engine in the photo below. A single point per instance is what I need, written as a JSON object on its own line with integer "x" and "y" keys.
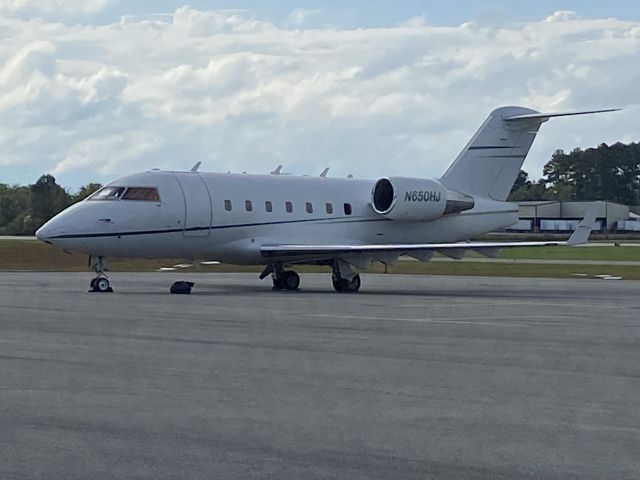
{"x": 416, "y": 199}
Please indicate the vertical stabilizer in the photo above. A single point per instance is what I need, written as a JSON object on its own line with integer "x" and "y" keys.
{"x": 489, "y": 164}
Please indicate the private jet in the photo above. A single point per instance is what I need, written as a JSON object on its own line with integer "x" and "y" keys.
{"x": 281, "y": 221}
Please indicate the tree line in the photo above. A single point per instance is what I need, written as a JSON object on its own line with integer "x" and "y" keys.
{"x": 23, "y": 209}
{"x": 604, "y": 173}
{"x": 610, "y": 173}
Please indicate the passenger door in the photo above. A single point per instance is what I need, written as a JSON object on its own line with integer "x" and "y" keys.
{"x": 197, "y": 204}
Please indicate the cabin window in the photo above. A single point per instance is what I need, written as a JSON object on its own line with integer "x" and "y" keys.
{"x": 227, "y": 205}
{"x": 288, "y": 206}
{"x": 347, "y": 209}
{"x": 107, "y": 193}
{"x": 248, "y": 205}
{"x": 309, "y": 207}
{"x": 145, "y": 194}
{"x": 268, "y": 206}
{"x": 329, "y": 207}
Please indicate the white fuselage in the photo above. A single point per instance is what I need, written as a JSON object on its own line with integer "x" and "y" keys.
{"x": 192, "y": 219}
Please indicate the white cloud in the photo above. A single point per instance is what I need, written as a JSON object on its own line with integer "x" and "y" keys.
{"x": 414, "y": 22}
{"x": 108, "y": 153}
{"x": 562, "y": 16}
{"x": 89, "y": 102}
{"x": 56, "y": 8}
{"x": 299, "y": 16}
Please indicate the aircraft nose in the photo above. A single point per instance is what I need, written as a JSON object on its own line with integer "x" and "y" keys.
{"x": 41, "y": 233}
{"x": 49, "y": 230}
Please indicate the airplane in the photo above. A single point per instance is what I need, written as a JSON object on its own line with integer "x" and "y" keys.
{"x": 281, "y": 221}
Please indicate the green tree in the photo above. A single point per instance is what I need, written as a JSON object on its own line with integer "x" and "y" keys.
{"x": 85, "y": 191}
{"x": 47, "y": 199}
{"x": 603, "y": 173}
{"x": 14, "y": 208}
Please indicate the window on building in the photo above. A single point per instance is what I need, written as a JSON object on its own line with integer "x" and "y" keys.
{"x": 309, "y": 207}
{"x": 288, "y": 206}
{"x": 347, "y": 209}
{"x": 329, "y": 207}
{"x": 268, "y": 206}
{"x": 248, "y": 205}
{"x": 227, "y": 205}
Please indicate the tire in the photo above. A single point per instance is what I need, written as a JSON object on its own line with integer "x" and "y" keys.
{"x": 92, "y": 285}
{"x": 340, "y": 285}
{"x": 277, "y": 284}
{"x": 354, "y": 284}
{"x": 291, "y": 280}
{"x": 347, "y": 286}
{"x": 101, "y": 285}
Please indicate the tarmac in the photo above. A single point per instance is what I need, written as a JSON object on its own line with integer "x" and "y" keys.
{"x": 414, "y": 377}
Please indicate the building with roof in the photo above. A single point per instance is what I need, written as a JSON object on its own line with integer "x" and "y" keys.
{"x": 558, "y": 216}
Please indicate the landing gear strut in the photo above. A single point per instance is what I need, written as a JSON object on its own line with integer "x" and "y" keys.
{"x": 282, "y": 279}
{"x": 99, "y": 284}
{"x": 344, "y": 279}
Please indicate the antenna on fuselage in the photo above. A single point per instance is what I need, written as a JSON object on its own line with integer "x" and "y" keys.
{"x": 196, "y": 167}
{"x": 324, "y": 172}
{"x": 277, "y": 170}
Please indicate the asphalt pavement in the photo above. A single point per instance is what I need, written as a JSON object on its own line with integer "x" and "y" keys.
{"x": 414, "y": 377}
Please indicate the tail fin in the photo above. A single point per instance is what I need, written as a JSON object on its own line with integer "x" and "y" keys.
{"x": 489, "y": 164}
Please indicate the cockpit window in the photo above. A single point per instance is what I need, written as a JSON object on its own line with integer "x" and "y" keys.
{"x": 107, "y": 193}
{"x": 148, "y": 194}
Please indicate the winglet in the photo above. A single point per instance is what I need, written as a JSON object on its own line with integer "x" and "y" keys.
{"x": 324, "y": 172}
{"x": 196, "y": 167}
{"x": 277, "y": 170}
{"x": 581, "y": 235}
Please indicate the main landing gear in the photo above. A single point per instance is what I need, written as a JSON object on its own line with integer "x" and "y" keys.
{"x": 99, "y": 284}
{"x": 282, "y": 279}
{"x": 344, "y": 279}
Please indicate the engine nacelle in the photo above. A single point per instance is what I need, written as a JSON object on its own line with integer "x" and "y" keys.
{"x": 416, "y": 199}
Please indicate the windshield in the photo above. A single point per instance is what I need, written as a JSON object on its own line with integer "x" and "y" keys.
{"x": 145, "y": 194}
{"x": 149, "y": 194}
{"x": 107, "y": 193}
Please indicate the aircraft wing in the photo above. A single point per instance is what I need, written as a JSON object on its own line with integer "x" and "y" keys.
{"x": 421, "y": 251}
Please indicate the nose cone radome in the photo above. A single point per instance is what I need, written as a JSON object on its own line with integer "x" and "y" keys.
{"x": 41, "y": 233}
{"x": 66, "y": 222}
{"x": 48, "y": 230}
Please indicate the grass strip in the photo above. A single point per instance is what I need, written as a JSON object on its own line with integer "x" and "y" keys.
{"x": 37, "y": 256}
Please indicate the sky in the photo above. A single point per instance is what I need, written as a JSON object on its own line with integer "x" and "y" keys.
{"x": 94, "y": 89}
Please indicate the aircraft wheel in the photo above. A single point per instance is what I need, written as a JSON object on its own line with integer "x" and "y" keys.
{"x": 343, "y": 285}
{"x": 291, "y": 280}
{"x": 101, "y": 285}
{"x": 354, "y": 284}
{"x": 277, "y": 284}
{"x": 92, "y": 285}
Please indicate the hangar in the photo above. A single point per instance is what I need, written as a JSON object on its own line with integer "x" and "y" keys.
{"x": 559, "y": 216}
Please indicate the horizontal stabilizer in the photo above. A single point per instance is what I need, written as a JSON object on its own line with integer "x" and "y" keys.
{"x": 541, "y": 116}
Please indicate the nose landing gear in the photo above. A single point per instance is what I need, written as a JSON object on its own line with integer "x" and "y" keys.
{"x": 99, "y": 284}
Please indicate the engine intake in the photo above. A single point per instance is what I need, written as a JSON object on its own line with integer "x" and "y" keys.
{"x": 416, "y": 199}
